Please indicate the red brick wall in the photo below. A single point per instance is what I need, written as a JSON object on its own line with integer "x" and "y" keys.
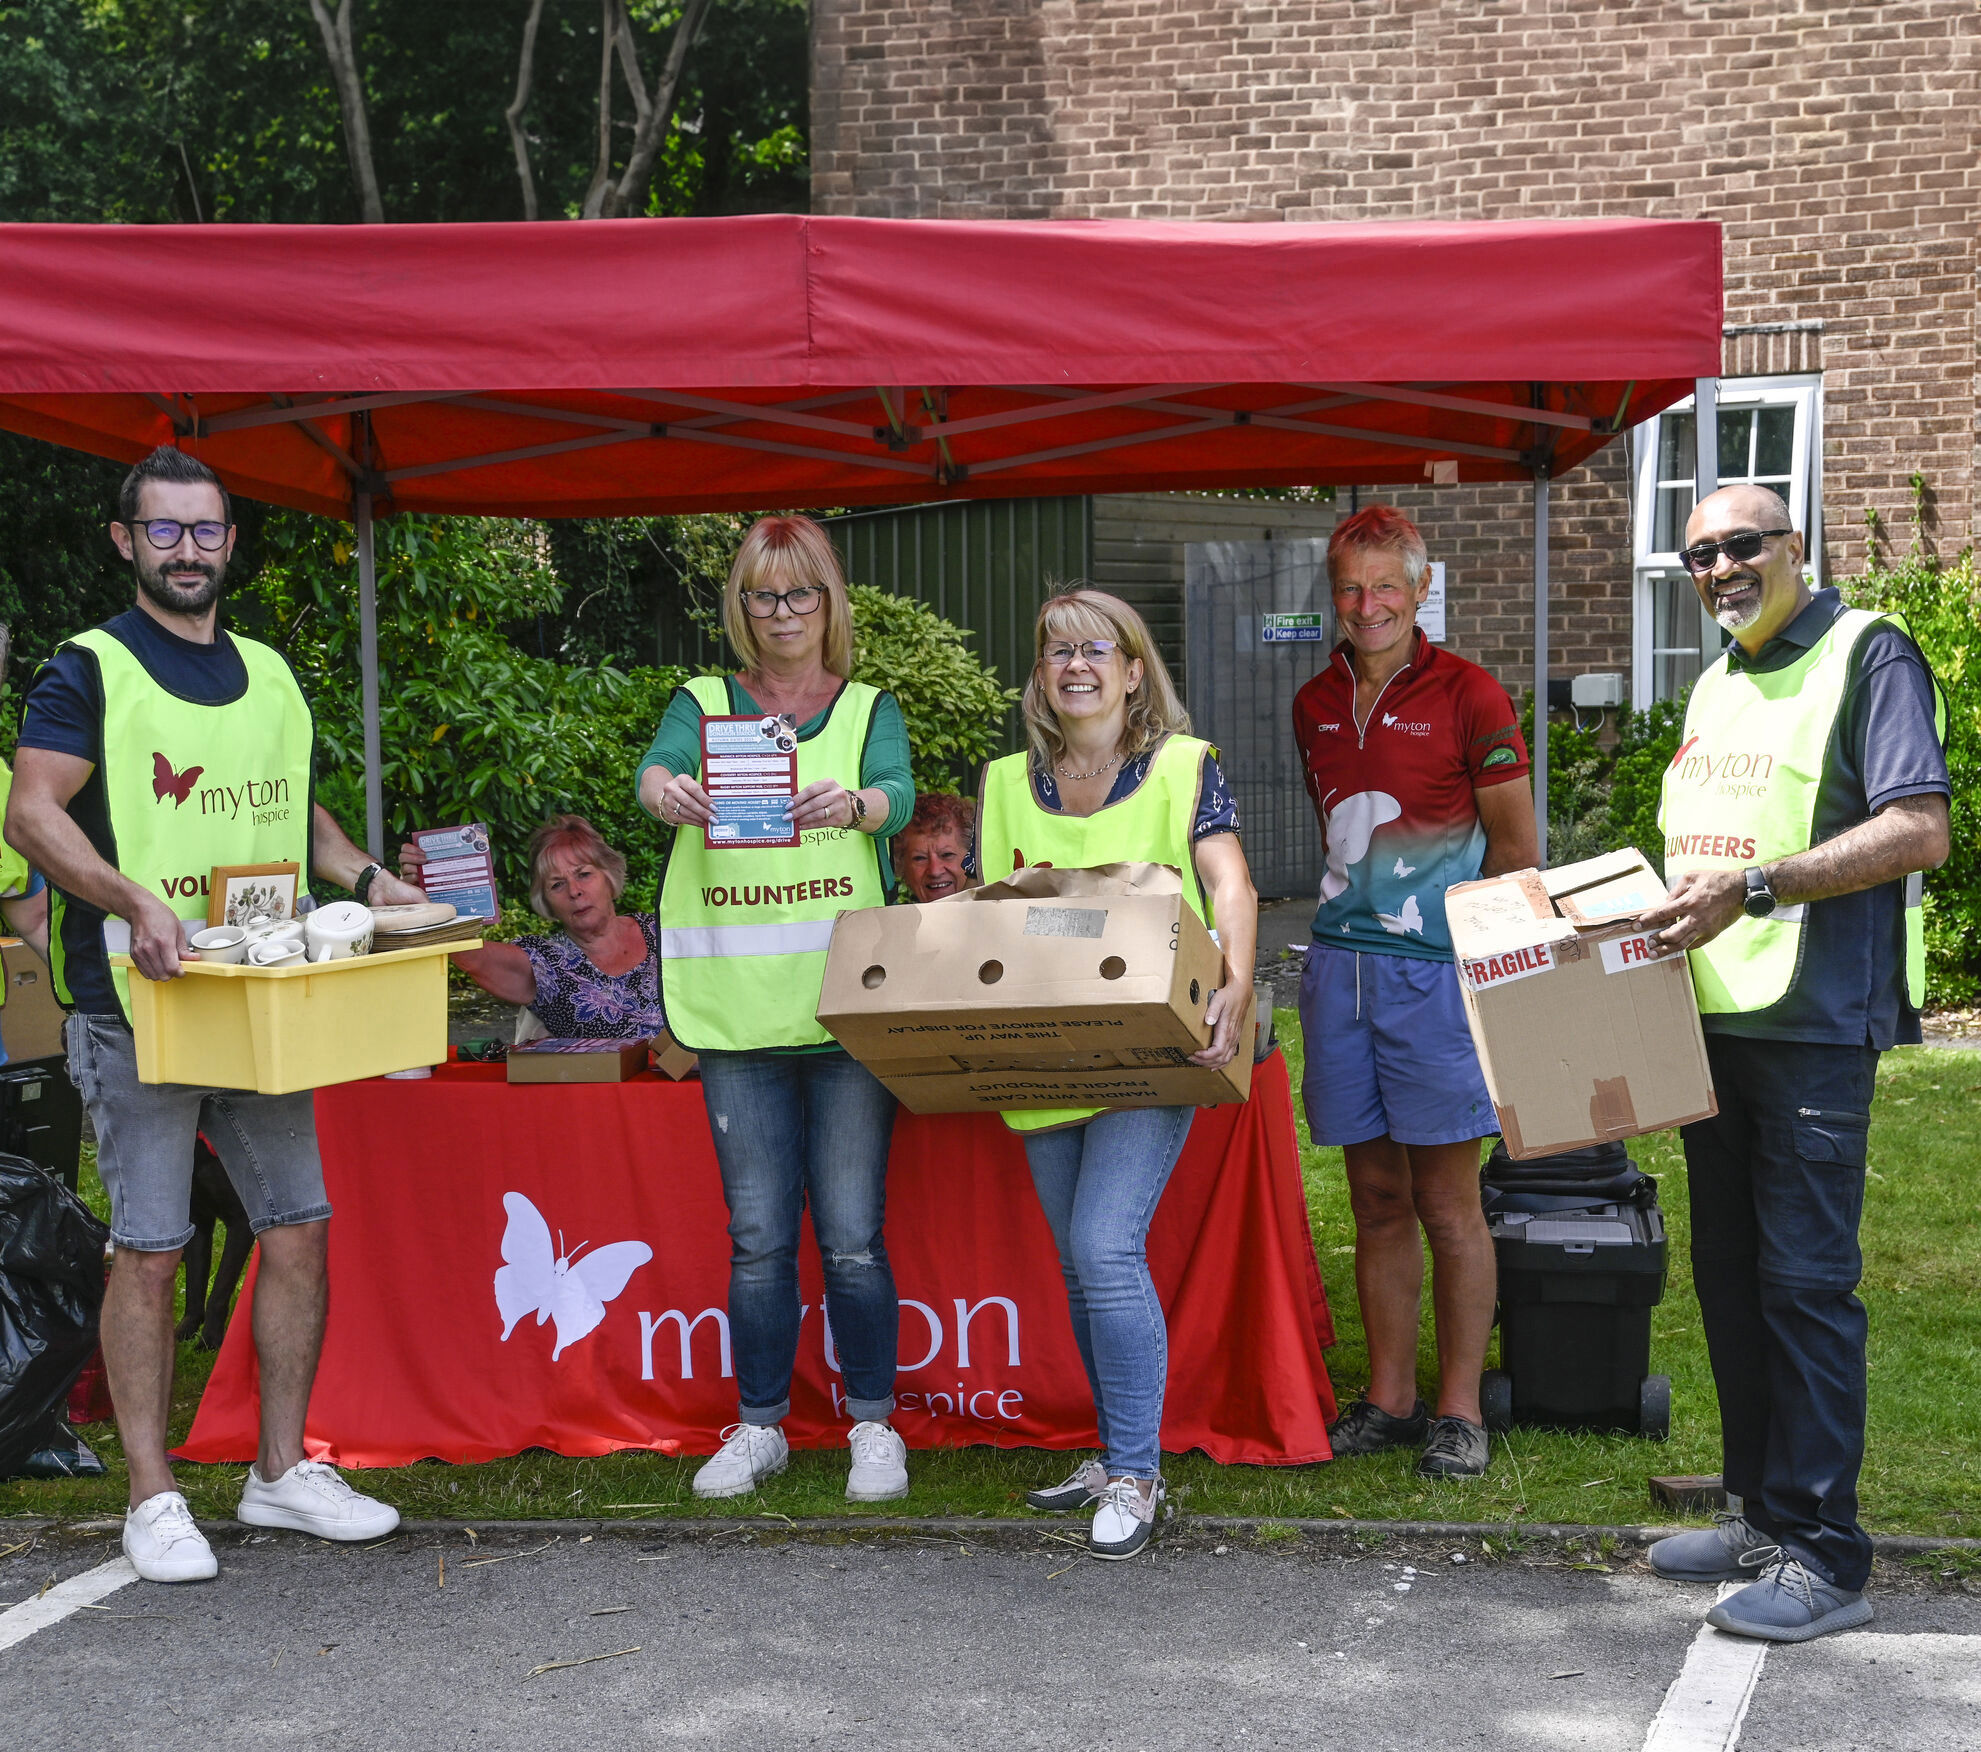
{"x": 1836, "y": 144}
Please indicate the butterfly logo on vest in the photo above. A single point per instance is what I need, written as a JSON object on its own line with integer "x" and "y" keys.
{"x": 166, "y": 783}
{"x": 1684, "y": 748}
{"x": 557, "y": 1285}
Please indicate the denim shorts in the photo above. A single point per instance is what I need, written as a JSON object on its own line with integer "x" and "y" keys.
{"x": 145, "y": 1134}
{"x": 1388, "y": 1051}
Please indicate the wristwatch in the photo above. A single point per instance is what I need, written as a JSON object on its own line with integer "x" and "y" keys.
{"x": 1760, "y": 902}
{"x": 362, "y": 887}
{"x": 859, "y": 807}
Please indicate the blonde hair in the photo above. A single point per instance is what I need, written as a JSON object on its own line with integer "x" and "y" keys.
{"x": 584, "y": 839}
{"x": 786, "y": 553}
{"x": 1079, "y": 613}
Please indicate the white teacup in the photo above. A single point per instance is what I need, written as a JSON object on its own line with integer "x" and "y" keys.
{"x": 222, "y": 944}
{"x": 342, "y": 929}
{"x": 275, "y": 952}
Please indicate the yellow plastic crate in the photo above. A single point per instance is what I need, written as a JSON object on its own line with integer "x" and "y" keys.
{"x": 277, "y": 1029}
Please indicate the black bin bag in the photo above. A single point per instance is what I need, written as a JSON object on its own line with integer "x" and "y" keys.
{"x": 51, "y": 1295}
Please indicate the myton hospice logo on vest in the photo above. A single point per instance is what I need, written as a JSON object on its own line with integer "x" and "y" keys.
{"x": 266, "y": 800}
{"x": 1735, "y": 776}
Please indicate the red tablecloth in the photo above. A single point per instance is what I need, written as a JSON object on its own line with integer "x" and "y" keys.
{"x": 415, "y": 1363}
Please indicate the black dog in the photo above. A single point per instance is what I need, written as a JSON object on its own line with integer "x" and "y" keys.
{"x": 214, "y": 1202}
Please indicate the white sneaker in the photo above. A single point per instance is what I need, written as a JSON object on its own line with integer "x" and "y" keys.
{"x": 1126, "y": 1520}
{"x": 164, "y": 1545}
{"x": 880, "y": 1464}
{"x": 749, "y": 1454}
{"x": 311, "y": 1498}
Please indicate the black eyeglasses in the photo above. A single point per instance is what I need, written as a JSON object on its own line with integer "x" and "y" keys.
{"x": 1703, "y": 556}
{"x": 762, "y": 604}
{"x": 163, "y": 532}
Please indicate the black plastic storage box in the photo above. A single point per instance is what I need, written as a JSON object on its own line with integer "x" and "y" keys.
{"x": 41, "y": 1116}
{"x": 1581, "y": 1248}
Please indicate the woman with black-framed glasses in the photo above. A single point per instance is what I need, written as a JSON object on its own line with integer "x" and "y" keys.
{"x": 795, "y": 1119}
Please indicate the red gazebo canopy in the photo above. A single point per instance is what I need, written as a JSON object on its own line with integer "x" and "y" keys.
{"x": 595, "y": 369}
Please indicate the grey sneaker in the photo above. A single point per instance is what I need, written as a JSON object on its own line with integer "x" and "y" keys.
{"x": 1455, "y": 1449}
{"x": 1126, "y": 1520}
{"x": 1081, "y": 1490}
{"x": 1713, "y": 1554}
{"x": 1790, "y": 1603}
{"x": 1368, "y": 1429}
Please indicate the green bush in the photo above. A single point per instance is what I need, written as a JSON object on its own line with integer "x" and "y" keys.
{"x": 1602, "y": 797}
{"x": 954, "y": 706}
{"x": 1942, "y": 605}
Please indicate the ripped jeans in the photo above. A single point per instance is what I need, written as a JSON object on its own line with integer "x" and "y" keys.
{"x": 792, "y": 1129}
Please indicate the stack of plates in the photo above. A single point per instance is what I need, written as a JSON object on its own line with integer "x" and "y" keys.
{"x": 422, "y": 922}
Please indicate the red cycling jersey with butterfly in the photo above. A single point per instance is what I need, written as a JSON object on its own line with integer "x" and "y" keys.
{"x": 1395, "y": 794}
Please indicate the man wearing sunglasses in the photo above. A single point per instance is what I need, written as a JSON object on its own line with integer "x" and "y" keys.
{"x": 1808, "y": 793}
{"x": 154, "y": 748}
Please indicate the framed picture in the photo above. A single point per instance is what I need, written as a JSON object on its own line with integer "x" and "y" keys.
{"x": 239, "y": 894}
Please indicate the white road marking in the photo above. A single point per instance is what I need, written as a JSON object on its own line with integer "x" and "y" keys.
{"x": 64, "y": 1600}
{"x": 1707, "y": 1702}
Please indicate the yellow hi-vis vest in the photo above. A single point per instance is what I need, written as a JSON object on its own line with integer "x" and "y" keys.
{"x": 1151, "y": 825}
{"x": 1741, "y": 791}
{"x": 14, "y": 871}
{"x": 744, "y": 932}
{"x": 186, "y": 787}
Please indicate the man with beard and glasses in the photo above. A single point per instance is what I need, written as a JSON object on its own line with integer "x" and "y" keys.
{"x": 155, "y": 747}
{"x": 1808, "y": 793}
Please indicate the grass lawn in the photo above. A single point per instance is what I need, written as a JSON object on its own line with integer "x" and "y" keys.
{"x": 1922, "y": 1280}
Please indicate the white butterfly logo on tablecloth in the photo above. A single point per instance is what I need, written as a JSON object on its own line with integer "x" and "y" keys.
{"x": 552, "y": 1284}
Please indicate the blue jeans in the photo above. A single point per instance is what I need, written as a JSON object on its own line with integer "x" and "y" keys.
{"x": 1099, "y": 1184}
{"x": 792, "y": 1129}
{"x": 1777, "y": 1186}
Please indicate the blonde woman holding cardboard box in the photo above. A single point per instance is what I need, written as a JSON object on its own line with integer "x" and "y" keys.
{"x": 1111, "y": 776}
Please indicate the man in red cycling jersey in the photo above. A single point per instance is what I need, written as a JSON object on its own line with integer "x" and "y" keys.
{"x": 1418, "y": 773}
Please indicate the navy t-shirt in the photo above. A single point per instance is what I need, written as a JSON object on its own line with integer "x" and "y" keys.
{"x": 65, "y": 715}
{"x": 1850, "y": 988}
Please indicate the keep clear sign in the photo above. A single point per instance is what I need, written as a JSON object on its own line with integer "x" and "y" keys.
{"x": 750, "y": 772}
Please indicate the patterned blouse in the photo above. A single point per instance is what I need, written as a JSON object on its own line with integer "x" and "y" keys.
{"x": 575, "y": 1001}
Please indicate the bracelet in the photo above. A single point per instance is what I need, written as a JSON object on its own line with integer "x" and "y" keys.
{"x": 362, "y": 887}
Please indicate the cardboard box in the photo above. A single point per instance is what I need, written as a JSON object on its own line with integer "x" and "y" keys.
{"x": 1056, "y": 988}
{"x": 669, "y": 1057}
{"x": 1587, "y": 1030}
{"x": 31, "y": 1019}
{"x": 577, "y": 1061}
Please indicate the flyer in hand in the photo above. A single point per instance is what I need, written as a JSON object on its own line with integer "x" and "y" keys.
{"x": 750, "y": 772}
{"x": 459, "y": 869}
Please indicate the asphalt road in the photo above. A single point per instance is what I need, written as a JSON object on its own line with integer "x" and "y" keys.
{"x": 755, "y": 1640}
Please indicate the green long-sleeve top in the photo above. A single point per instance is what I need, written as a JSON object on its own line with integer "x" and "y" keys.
{"x": 886, "y": 765}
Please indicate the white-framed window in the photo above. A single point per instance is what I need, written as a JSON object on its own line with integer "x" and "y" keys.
{"x": 1770, "y": 433}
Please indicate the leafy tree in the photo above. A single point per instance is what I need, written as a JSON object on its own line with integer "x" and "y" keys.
{"x": 1942, "y": 605}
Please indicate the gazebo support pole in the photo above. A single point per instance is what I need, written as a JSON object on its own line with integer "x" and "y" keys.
{"x": 1706, "y": 437}
{"x": 368, "y": 668}
{"x": 1540, "y": 749}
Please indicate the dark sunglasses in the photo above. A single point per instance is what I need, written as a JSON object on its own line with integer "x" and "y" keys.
{"x": 163, "y": 533}
{"x": 1703, "y": 556}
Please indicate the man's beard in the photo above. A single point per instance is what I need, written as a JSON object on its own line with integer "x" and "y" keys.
{"x": 174, "y": 598}
{"x": 1737, "y": 617}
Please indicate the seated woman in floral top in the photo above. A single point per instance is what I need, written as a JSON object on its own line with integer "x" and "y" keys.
{"x": 599, "y": 977}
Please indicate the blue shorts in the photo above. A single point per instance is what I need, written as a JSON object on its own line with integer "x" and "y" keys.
{"x": 1388, "y": 1052}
